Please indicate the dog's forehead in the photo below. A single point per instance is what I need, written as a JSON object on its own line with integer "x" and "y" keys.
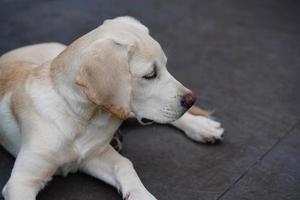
{"x": 150, "y": 48}
{"x": 149, "y": 53}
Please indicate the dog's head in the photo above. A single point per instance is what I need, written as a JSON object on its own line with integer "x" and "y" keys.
{"x": 124, "y": 70}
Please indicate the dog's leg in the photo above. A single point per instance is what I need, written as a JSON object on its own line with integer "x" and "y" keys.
{"x": 197, "y": 125}
{"x": 30, "y": 173}
{"x": 117, "y": 171}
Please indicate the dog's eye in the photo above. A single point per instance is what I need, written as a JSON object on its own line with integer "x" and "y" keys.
{"x": 152, "y": 75}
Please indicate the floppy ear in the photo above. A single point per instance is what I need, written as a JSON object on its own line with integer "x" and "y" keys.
{"x": 104, "y": 76}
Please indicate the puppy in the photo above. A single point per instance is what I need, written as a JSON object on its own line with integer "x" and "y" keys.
{"x": 60, "y": 106}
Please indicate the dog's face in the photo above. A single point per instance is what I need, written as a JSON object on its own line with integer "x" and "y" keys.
{"x": 156, "y": 94}
{"x": 126, "y": 72}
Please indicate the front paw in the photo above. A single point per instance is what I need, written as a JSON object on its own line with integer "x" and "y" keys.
{"x": 203, "y": 129}
{"x": 139, "y": 195}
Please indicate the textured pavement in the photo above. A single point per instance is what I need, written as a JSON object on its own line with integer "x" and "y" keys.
{"x": 243, "y": 60}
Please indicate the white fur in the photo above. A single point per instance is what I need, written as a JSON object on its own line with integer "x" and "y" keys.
{"x": 57, "y": 135}
{"x": 199, "y": 128}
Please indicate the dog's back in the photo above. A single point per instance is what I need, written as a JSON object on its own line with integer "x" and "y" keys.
{"x": 37, "y": 54}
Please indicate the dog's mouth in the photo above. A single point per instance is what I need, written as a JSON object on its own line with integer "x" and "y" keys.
{"x": 145, "y": 121}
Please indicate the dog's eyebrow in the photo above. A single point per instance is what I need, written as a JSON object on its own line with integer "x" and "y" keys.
{"x": 153, "y": 67}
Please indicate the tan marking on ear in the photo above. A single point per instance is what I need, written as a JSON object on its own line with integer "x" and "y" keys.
{"x": 118, "y": 112}
{"x": 195, "y": 110}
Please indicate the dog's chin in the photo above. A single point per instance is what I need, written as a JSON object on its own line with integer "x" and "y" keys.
{"x": 147, "y": 121}
{"x": 164, "y": 119}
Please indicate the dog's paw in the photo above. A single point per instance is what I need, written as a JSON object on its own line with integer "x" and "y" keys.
{"x": 203, "y": 129}
{"x": 139, "y": 195}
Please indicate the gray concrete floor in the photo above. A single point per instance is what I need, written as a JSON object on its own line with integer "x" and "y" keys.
{"x": 241, "y": 57}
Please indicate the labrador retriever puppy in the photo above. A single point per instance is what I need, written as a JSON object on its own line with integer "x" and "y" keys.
{"x": 60, "y": 106}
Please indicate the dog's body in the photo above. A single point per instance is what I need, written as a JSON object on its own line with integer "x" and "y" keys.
{"x": 60, "y": 106}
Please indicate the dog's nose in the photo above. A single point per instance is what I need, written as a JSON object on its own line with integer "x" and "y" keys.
{"x": 188, "y": 100}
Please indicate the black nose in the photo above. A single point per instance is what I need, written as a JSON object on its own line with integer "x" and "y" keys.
{"x": 188, "y": 100}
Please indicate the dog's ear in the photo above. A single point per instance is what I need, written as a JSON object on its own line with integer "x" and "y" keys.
{"x": 104, "y": 75}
